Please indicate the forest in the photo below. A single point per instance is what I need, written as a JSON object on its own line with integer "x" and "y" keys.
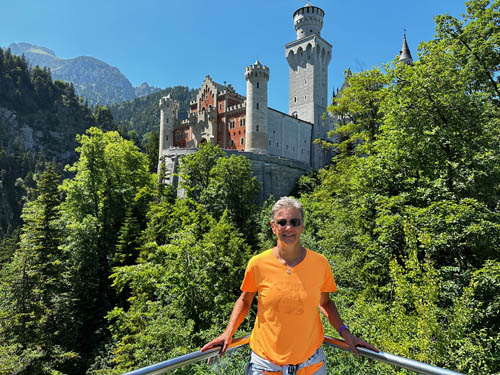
{"x": 111, "y": 271}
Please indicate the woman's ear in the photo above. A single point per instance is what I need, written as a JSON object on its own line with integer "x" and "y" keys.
{"x": 272, "y": 227}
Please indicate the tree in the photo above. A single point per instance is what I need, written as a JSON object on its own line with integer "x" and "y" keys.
{"x": 194, "y": 170}
{"x": 182, "y": 292}
{"x": 358, "y": 107}
{"x": 104, "y": 212}
{"x": 233, "y": 189}
{"x": 151, "y": 143}
{"x": 36, "y": 308}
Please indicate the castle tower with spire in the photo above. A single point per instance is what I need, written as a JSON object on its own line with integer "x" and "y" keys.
{"x": 256, "y": 134}
{"x": 308, "y": 57}
{"x": 404, "y": 54}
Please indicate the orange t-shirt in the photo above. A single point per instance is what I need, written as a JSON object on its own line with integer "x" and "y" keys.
{"x": 288, "y": 327}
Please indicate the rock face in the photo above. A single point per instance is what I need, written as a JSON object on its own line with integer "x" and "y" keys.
{"x": 95, "y": 80}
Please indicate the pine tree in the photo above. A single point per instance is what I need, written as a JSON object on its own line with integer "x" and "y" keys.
{"x": 33, "y": 288}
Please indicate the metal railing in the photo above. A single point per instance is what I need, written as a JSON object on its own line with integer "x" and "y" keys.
{"x": 409, "y": 364}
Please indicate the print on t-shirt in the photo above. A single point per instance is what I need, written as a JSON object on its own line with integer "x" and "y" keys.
{"x": 292, "y": 295}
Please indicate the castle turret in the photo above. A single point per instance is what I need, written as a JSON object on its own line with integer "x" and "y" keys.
{"x": 308, "y": 20}
{"x": 308, "y": 57}
{"x": 169, "y": 110}
{"x": 256, "y": 137}
{"x": 404, "y": 54}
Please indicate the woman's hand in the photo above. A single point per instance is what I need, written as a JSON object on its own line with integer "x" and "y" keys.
{"x": 240, "y": 310}
{"x": 223, "y": 341}
{"x": 354, "y": 341}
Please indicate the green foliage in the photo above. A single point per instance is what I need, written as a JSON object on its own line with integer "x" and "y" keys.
{"x": 151, "y": 145}
{"x": 39, "y": 119}
{"x": 142, "y": 114}
{"x": 358, "y": 108}
{"x": 194, "y": 170}
{"x": 221, "y": 184}
{"x": 35, "y": 329}
{"x": 104, "y": 213}
{"x": 181, "y": 292}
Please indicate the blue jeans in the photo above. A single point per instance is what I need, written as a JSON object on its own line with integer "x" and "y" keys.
{"x": 261, "y": 366}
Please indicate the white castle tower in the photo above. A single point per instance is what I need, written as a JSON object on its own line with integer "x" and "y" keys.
{"x": 256, "y": 138}
{"x": 308, "y": 58}
{"x": 169, "y": 110}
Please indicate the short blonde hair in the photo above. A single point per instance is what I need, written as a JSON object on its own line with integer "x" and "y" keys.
{"x": 287, "y": 202}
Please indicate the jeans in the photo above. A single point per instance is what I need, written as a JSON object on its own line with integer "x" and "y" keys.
{"x": 315, "y": 364}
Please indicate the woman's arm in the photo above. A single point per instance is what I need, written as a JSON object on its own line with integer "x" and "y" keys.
{"x": 240, "y": 310}
{"x": 328, "y": 308}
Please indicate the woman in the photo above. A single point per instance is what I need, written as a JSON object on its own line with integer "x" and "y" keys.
{"x": 292, "y": 282}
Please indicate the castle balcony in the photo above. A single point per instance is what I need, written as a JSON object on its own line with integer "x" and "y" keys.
{"x": 237, "y": 108}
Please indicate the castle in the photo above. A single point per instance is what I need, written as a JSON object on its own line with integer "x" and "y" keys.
{"x": 280, "y": 146}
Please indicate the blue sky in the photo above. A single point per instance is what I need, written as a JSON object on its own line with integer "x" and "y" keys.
{"x": 179, "y": 42}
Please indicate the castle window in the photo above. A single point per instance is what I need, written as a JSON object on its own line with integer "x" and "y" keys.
{"x": 167, "y": 120}
{"x": 257, "y": 84}
{"x": 257, "y": 128}
{"x": 269, "y": 142}
{"x": 277, "y": 145}
{"x": 305, "y": 82}
{"x": 241, "y": 141}
{"x": 231, "y": 143}
{"x": 295, "y": 99}
{"x": 220, "y": 107}
{"x": 257, "y": 106}
{"x": 305, "y": 97}
{"x": 166, "y": 137}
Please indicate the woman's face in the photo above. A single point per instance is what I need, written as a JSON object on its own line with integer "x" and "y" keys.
{"x": 283, "y": 226}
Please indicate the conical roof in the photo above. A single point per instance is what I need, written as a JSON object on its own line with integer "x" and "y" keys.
{"x": 404, "y": 54}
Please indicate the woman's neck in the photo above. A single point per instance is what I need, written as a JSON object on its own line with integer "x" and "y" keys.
{"x": 289, "y": 253}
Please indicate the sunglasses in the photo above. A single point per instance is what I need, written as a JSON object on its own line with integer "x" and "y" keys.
{"x": 293, "y": 222}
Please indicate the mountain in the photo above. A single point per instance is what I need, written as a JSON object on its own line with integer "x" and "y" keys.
{"x": 95, "y": 80}
{"x": 39, "y": 121}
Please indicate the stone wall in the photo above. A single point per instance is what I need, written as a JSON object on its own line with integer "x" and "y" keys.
{"x": 277, "y": 175}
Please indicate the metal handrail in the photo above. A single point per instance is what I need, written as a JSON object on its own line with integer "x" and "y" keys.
{"x": 409, "y": 364}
